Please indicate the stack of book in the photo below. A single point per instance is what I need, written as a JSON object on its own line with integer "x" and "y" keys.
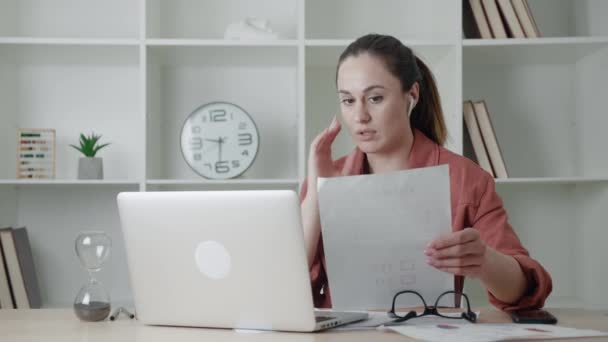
{"x": 18, "y": 282}
{"x": 482, "y": 137}
{"x": 489, "y": 19}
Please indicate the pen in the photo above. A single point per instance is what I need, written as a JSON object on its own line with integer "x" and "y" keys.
{"x": 118, "y": 311}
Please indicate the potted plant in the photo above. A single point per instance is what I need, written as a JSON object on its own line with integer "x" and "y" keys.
{"x": 89, "y": 166}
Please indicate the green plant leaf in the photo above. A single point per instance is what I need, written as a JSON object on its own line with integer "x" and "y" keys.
{"x": 99, "y": 148}
{"x": 77, "y": 148}
{"x": 88, "y": 144}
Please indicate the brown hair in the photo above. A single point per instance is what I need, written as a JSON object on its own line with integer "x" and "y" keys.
{"x": 400, "y": 61}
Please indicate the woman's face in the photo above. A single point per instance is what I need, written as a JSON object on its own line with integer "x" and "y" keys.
{"x": 374, "y": 106}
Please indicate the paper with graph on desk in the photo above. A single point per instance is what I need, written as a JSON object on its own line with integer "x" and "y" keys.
{"x": 482, "y": 332}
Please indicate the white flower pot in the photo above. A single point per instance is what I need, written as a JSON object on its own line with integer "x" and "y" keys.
{"x": 90, "y": 168}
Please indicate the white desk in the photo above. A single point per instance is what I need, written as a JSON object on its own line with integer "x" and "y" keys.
{"x": 61, "y": 325}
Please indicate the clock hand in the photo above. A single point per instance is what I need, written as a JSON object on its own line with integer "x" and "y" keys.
{"x": 220, "y": 149}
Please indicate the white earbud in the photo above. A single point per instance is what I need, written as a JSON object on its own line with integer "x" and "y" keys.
{"x": 412, "y": 103}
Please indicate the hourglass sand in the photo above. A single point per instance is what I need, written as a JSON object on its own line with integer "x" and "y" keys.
{"x": 92, "y": 302}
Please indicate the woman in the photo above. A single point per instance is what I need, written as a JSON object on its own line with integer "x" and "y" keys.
{"x": 391, "y": 107}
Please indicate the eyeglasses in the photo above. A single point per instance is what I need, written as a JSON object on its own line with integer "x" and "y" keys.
{"x": 447, "y": 305}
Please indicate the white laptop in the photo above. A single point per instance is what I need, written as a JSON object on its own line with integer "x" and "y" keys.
{"x": 221, "y": 259}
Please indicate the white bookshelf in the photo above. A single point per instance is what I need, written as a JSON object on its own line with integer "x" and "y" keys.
{"x": 28, "y": 182}
{"x": 132, "y": 70}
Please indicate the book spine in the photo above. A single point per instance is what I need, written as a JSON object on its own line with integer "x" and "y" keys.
{"x": 491, "y": 9}
{"x": 489, "y": 137}
{"x": 476, "y": 140}
{"x": 6, "y": 296}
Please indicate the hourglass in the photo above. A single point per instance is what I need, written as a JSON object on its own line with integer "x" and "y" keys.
{"x": 92, "y": 302}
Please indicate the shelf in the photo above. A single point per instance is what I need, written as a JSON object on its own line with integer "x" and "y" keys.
{"x": 532, "y": 50}
{"x": 68, "y": 52}
{"x": 550, "y": 180}
{"x": 220, "y": 42}
{"x": 409, "y": 42}
{"x": 67, "y": 182}
{"x": 535, "y": 41}
{"x": 222, "y": 55}
{"x": 229, "y": 182}
{"x": 68, "y": 41}
{"x": 214, "y": 185}
{"x": 133, "y": 70}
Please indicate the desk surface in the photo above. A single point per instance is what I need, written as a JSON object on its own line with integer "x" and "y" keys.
{"x": 61, "y": 325}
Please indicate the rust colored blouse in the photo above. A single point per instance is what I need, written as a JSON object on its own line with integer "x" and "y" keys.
{"x": 474, "y": 202}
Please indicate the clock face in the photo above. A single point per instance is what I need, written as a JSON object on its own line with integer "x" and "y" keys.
{"x": 219, "y": 140}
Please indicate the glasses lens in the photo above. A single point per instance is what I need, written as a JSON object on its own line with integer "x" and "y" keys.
{"x": 451, "y": 304}
{"x": 406, "y": 302}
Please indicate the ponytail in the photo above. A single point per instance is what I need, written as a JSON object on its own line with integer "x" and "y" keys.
{"x": 427, "y": 116}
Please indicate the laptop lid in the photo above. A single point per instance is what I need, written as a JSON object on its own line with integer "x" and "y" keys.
{"x": 225, "y": 259}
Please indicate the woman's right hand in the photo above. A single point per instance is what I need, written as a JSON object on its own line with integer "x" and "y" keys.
{"x": 320, "y": 163}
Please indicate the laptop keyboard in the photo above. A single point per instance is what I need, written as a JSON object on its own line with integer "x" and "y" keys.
{"x": 323, "y": 318}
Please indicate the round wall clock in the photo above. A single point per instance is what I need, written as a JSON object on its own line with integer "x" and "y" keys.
{"x": 219, "y": 140}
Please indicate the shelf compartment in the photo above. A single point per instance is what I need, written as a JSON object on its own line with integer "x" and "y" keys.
{"x": 570, "y": 18}
{"x": 261, "y": 80}
{"x": 349, "y": 19}
{"x": 70, "y": 18}
{"x": 545, "y": 114}
{"x": 54, "y": 216}
{"x": 571, "y": 211}
{"x": 210, "y": 19}
{"x": 73, "y": 89}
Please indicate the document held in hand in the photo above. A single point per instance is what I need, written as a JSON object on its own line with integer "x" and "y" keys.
{"x": 375, "y": 229}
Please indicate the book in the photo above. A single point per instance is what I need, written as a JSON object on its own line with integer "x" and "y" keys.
{"x": 489, "y": 137}
{"x": 475, "y": 23}
{"x": 6, "y": 296}
{"x": 522, "y": 9}
{"x": 469, "y": 27}
{"x": 20, "y": 266}
{"x": 493, "y": 15}
{"x": 477, "y": 143}
{"x": 510, "y": 18}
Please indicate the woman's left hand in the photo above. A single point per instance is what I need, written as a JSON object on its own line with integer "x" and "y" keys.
{"x": 460, "y": 253}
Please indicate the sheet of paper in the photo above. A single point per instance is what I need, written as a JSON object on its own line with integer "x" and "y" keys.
{"x": 375, "y": 228}
{"x": 481, "y": 332}
{"x": 379, "y": 319}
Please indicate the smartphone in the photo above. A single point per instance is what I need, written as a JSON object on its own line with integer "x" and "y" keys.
{"x": 537, "y": 316}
